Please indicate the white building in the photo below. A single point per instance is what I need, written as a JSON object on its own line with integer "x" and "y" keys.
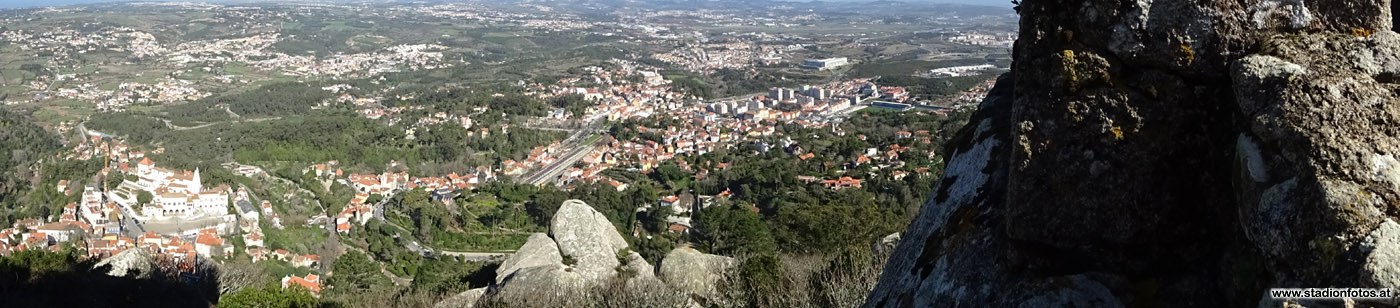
{"x": 176, "y": 194}
{"x": 253, "y": 239}
{"x": 956, "y": 71}
{"x": 825, "y": 64}
{"x": 95, "y": 213}
{"x": 209, "y": 244}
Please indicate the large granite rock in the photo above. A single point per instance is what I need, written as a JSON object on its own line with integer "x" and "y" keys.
{"x": 1172, "y": 153}
{"x": 1381, "y": 268}
{"x": 1317, "y": 153}
{"x": 466, "y": 299}
{"x": 640, "y": 266}
{"x": 588, "y": 238}
{"x": 539, "y": 250}
{"x": 694, "y": 272}
{"x": 135, "y": 263}
{"x": 582, "y": 252}
{"x": 541, "y": 286}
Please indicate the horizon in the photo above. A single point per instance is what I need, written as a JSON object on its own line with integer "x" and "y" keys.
{"x": 24, "y": 4}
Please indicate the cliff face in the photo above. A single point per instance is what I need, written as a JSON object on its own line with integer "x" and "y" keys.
{"x": 1184, "y": 153}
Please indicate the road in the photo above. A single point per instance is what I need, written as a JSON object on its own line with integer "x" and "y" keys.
{"x": 176, "y": 127}
{"x": 430, "y": 252}
{"x": 552, "y": 129}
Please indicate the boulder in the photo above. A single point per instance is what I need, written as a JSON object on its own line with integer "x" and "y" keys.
{"x": 640, "y": 266}
{"x": 1381, "y": 269}
{"x": 466, "y": 299}
{"x": 587, "y": 238}
{"x": 541, "y": 286}
{"x": 886, "y": 244}
{"x": 582, "y": 252}
{"x": 693, "y": 272}
{"x": 539, "y": 250}
{"x": 134, "y": 262}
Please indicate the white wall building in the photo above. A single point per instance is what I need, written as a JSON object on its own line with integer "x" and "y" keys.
{"x": 176, "y": 194}
{"x": 825, "y": 64}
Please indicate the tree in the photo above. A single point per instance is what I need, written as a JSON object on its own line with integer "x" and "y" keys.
{"x": 238, "y": 275}
{"x": 669, "y": 173}
{"x": 575, "y": 104}
{"x": 356, "y": 273}
{"x": 655, "y": 219}
{"x": 654, "y": 249}
{"x": 113, "y": 181}
{"x": 733, "y": 230}
{"x": 759, "y": 281}
{"x": 143, "y": 197}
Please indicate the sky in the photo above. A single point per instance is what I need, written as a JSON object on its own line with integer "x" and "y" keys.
{"x": 5, "y": 4}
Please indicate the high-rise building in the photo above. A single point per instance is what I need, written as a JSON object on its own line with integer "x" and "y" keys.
{"x": 780, "y": 93}
{"x": 816, "y": 92}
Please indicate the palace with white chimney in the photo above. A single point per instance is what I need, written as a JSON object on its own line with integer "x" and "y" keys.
{"x": 175, "y": 193}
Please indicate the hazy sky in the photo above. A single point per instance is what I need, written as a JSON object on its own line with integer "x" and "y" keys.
{"x": 32, "y": 3}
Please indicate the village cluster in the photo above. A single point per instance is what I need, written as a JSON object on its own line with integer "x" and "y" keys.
{"x": 136, "y": 202}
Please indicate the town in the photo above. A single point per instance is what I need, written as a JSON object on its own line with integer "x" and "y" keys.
{"x": 285, "y": 139}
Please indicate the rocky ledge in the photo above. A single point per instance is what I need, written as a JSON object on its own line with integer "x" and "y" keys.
{"x": 1169, "y": 153}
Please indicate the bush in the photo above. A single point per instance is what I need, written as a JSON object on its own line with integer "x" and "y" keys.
{"x": 617, "y": 292}
{"x": 270, "y": 295}
{"x": 801, "y": 280}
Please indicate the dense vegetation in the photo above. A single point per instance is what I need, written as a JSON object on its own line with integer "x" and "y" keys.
{"x": 270, "y": 295}
{"x": 325, "y": 135}
{"x": 21, "y": 143}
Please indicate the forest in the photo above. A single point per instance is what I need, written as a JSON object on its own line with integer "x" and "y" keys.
{"x": 24, "y": 146}
{"x": 323, "y": 135}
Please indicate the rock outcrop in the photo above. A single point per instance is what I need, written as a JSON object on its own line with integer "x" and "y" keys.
{"x": 539, "y": 250}
{"x": 465, "y": 299}
{"x": 1321, "y": 131}
{"x": 134, "y": 263}
{"x": 694, "y": 272}
{"x": 1178, "y": 153}
{"x": 585, "y": 236}
{"x": 585, "y": 262}
{"x": 583, "y": 250}
{"x": 551, "y": 285}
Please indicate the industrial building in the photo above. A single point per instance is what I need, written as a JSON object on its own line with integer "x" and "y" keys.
{"x": 825, "y": 64}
